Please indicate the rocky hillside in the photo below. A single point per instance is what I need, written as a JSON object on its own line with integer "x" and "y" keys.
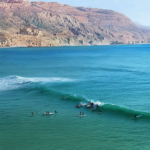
{"x": 59, "y": 25}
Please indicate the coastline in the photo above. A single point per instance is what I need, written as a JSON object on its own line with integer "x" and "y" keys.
{"x": 71, "y": 26}
{"x": 70, "y": 46}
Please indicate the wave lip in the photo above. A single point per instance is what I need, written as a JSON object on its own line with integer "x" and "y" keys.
{"x": 50, "y": 79}
{"x": 14, "y": 82}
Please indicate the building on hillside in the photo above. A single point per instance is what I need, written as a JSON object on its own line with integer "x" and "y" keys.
{"x": 30, "y": 31}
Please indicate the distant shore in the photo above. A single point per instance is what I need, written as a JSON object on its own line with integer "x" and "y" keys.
{"x": 69, "y": 46}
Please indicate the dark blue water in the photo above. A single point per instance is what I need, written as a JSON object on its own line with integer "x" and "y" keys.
{"x": 116, "y": 78}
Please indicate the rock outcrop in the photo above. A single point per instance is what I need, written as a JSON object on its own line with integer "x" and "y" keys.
{"x": 15, "y": 1}
{"x": 52, "y": 24}
{"x": 30, "y": 31}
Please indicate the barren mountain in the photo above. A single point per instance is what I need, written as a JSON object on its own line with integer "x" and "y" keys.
{"x": 24, "y": 23}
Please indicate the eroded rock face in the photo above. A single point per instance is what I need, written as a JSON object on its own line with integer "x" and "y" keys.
{"x": 16, "y": 1}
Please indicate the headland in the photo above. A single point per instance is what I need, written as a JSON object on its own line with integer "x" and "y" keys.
{"x": 40, "y": 24}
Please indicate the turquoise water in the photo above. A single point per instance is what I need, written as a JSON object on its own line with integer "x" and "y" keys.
{"x": 116, "y": 78}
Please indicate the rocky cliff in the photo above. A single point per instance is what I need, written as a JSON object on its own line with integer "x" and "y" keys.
{"x": 59, "y": 25}
{"x": 15, "y": 1}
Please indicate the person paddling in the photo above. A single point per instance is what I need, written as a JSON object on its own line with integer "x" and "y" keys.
{"x": 99, "y": 111}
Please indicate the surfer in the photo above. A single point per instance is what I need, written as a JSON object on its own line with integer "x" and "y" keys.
{"x": 78, "y": 106}
{"x": 92, "y": 109}
{"x": 55, "y": 111}
{"x": 99, "y": 111}
{"x": 64, "y": 98}
{"x": 135, "y": 116}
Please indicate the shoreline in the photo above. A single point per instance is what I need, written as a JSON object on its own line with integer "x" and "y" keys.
{"x": 71, "y": 46}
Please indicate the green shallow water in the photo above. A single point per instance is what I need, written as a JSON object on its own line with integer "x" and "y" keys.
{"x": 38, "y": 79}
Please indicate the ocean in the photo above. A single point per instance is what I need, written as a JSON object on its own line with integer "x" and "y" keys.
{"x": 35, "y": 80}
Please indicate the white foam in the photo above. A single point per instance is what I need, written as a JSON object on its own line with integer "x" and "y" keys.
{"x": 98, "y": 103}
{"x": 50, "y": 79}
{"x": 14, "y": 82}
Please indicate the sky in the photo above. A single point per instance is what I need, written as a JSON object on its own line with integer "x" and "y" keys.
{"x": 137, "y": 10}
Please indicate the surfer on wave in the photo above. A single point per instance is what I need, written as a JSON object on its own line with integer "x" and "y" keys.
{"x": 99, "y": 111}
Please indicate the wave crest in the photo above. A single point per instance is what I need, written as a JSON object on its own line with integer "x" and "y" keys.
{"x": 14, "y": 82}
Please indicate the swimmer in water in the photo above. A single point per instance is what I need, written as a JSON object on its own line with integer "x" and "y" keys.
{"x": 99, "y": 111}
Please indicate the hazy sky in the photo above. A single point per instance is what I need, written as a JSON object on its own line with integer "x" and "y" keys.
{"x": 137, "y": 10}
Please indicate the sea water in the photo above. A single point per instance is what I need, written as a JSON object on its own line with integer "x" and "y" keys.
{"x": 115, "y": 78}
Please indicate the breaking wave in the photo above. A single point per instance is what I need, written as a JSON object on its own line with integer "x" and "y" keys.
{"x": 106, "y": 107}
{"x": 14, "y": 82}
{"x": 122, "y": 110}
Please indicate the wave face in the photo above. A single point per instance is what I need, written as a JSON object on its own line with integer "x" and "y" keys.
{"x": 14, "y": 82}
{"x": 106, "y": 107}
{"x": 80, "y": 99}
{"x": 122, "y": 110}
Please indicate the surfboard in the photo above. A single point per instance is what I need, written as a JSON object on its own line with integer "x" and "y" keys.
{"x": 79, "y": 106}
{"x": 48, "y": 114}
{"x": 88, "y": 106}
{"x": 82, "y": 115}
{"x": 99, "y": 112}
{"x": 138, "y": 116}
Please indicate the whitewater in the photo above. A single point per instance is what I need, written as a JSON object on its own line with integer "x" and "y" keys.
{"x": 36, "y": 80}
{"x": 14, "y": 82}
